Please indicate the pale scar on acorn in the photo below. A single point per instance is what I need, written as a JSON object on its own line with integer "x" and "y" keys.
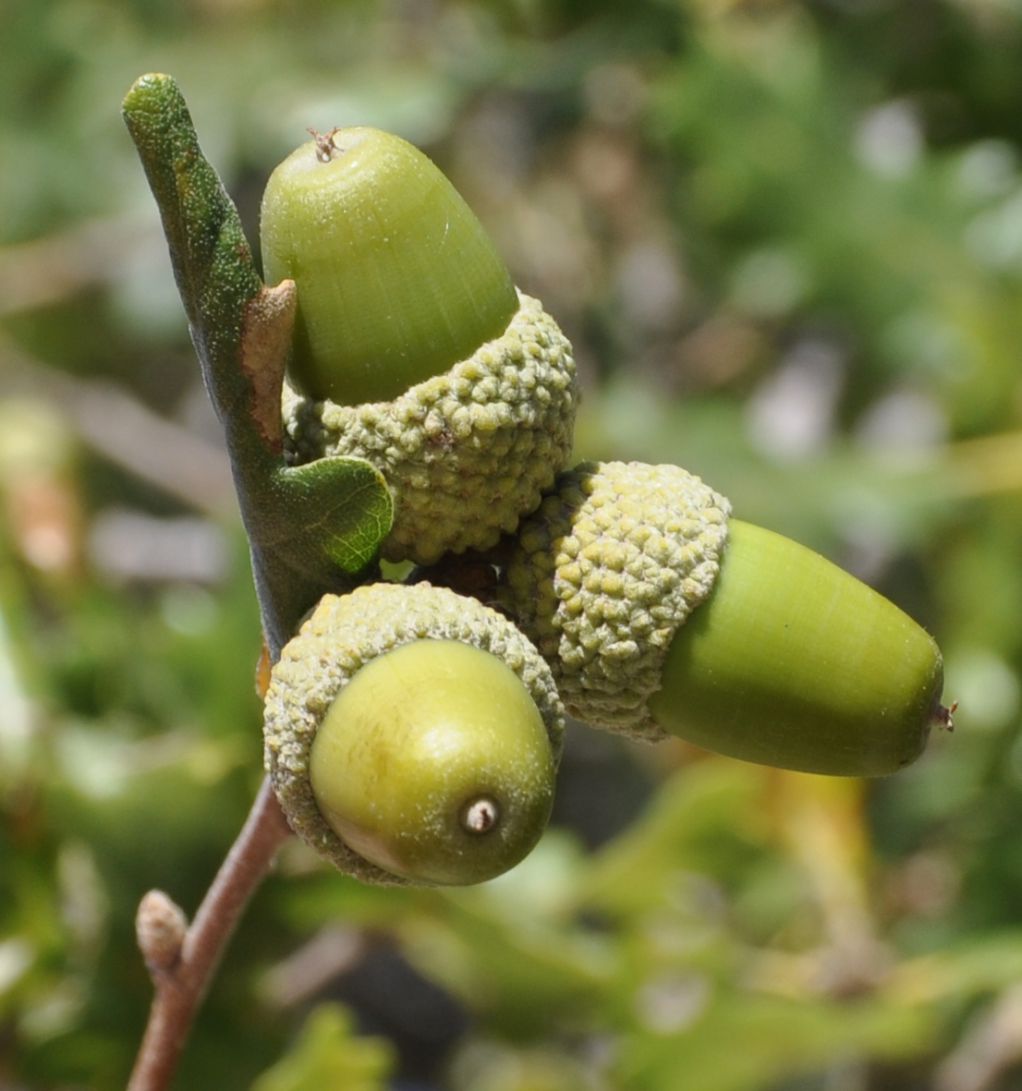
{"x": 412, "y": 732}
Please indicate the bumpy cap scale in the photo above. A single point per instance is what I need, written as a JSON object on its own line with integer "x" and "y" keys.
{"x": 408, "y": 799}
{"x": 412, "y": 348}
{"x": 465, "y": 453}
{"x": 604, "y": 574}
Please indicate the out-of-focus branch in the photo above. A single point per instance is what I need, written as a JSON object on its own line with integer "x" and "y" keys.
{"x": 56, "y": 267}
{"x": 117, "y": 425}
{"x": 328, "y": 954}
{"x": 991, "y": 1046}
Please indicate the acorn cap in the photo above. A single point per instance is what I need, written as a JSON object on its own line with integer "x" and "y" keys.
{"x": 341, "y": 637}
{"x": 467, "y": 453}
{"x": 603, "y": 575}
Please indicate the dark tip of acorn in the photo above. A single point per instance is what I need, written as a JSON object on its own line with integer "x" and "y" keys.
{"x": 943, "y": 717}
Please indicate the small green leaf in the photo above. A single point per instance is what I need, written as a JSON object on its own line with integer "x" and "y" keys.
{"x": 349, "y": 507}
{"x": 314, "y": 529}
{"x": 329, "y": 1054}
{"x": 212, "y": 260}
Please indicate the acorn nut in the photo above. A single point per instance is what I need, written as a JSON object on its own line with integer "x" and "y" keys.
{"x": 660, "y": 615}
{"x": 412, "y": 348}
{"x": 412, "y": 735}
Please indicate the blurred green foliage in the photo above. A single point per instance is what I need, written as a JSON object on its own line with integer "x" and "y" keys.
{"x": 786, "y": 240}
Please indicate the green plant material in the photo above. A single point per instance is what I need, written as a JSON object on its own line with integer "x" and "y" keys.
{"x": 357, "y": 632}
{"x": 492, "y": 1066}
{"x": 973, "y": 964}
{"x": 778, "y": 1038}
{"x": 330, "y": 1054}
{"x": 311, "y": 528}
{"x": 433, "y": 763}
{"x": 521, "y": 975}
{"x": 759, "y": 649}
{"x": 397, "y": 280}
{"x": 702, "y": 826}
{"x": 793, "y": 662}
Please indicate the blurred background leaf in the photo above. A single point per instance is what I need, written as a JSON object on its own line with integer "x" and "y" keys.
{"x": 786, "y": 240}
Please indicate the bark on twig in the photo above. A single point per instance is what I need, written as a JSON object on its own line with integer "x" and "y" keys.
{"x": 181, "y": 988}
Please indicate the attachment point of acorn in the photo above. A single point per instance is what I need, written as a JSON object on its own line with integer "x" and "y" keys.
{"x": 481, "y": 815}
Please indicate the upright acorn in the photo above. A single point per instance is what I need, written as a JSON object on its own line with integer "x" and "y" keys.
{"x": 412, "y": 347}
{"x": 661, "y": 615}
{"x": 412, "y": 735}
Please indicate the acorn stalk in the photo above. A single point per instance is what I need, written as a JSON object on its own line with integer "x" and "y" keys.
{"x": 659, "y": 614}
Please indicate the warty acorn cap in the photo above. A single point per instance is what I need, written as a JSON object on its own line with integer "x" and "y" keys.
{"x": 604, "y": 573}
{"x": 344, "y": 634}
{"x": 465, "y": 453}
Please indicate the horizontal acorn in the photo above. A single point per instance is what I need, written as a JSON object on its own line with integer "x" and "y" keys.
{"x": 412, "y": 347}
{"x": 412, "y": 735}
{"x": 661, "y": 615}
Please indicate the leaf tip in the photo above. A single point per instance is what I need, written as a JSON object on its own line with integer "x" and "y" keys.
{"x": 150, "y": 94}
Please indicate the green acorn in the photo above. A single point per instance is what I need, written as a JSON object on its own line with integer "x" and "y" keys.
{"x": 412, "y": 348}
{"x": 660, "y": 615}
{"x": 412, "y": 735}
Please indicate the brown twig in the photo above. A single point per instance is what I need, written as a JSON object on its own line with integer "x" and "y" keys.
{"x": 180, "y": 989}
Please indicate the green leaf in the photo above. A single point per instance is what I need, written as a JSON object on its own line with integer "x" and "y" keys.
{"x": 744, "y": 1042}
{"x": 212, "y": 260}
{"x": 329, "y": 1054}
{"x": 349, "y": 505}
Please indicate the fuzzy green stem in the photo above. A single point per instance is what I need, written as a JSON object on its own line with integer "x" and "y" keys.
{"x": 312, "y": 528}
